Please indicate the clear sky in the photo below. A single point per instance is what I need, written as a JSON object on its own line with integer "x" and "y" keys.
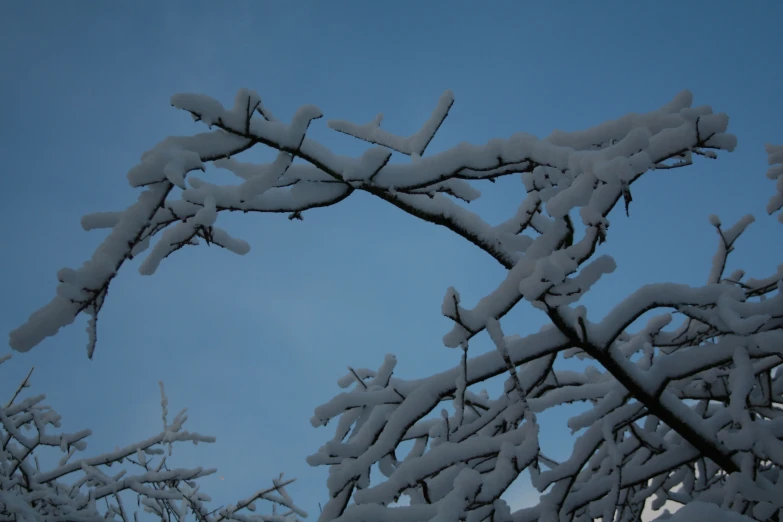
{"x": 252, "y": 344}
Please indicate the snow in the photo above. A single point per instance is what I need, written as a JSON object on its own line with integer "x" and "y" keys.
{"x": 414, "y": 144}
{"x": 294, "y": 134}
{"x": 616, "y": 129}
{"x": 658, "y": 134}
{"x": 704, "y": 512}
{"x": 372, "y": 161}
{"x": 84, "y": 488}
{"x": 775, "y": 172}
{"x": 206, "y": 108}
{"x": 267, "y": 179}
{"x": 100, "y": 220}
{"x": 653, "y": 407}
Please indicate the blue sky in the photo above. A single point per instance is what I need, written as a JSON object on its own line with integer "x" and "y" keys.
{"x": 252, "y": 344}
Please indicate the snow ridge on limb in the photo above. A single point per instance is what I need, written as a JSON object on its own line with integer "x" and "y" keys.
{"x": 86, "y": 489}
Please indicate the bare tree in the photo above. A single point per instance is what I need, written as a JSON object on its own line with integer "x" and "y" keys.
{"x": 684, "y": 408}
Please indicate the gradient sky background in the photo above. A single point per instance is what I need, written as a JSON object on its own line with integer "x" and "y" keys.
{"x": 252, "y": 344}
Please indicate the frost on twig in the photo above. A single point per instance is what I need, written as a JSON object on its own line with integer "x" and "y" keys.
{"x": 93, "y": 489}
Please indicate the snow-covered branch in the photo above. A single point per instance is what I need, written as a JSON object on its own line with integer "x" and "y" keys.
{"x": 588, "y": 170}
{"x": 686, "y": 408}
{"x": 697, "y": 406}
{"x": 84, "y": 489}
